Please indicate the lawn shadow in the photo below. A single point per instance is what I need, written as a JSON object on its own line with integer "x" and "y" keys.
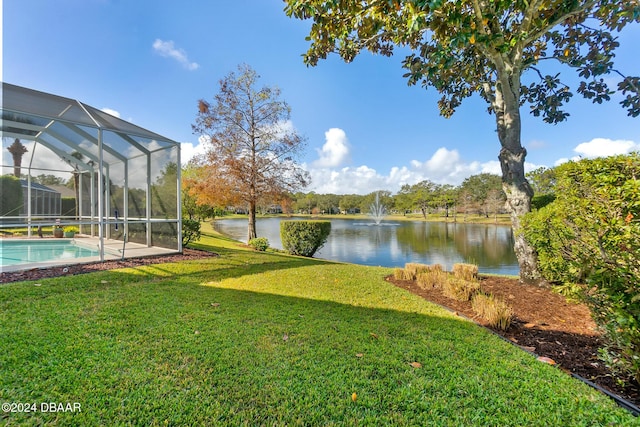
{"x": 230, "y": 263}
{"x": 270, "y": 351}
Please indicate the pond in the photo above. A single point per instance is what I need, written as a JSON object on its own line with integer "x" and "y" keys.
{"x": 392, "y": 244}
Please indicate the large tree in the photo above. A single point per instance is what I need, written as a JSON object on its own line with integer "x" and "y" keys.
{"x": 252, "y": 146}
{"x": 478, "y": 187}
{"x": 422, "y": 195}
{"x": 484, "y": 47}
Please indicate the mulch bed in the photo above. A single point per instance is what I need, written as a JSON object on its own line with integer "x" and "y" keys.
{"x": 43, "y": 273}
{"x": 544, "y": 324}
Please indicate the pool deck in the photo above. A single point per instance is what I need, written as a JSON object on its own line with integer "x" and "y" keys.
{"x": 112, "y": 251}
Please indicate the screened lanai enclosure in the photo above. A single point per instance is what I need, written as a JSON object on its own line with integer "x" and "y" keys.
{"x": 69, "y": 167}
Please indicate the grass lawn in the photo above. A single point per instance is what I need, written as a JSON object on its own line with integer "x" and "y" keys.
{"x": 252, "y": 338}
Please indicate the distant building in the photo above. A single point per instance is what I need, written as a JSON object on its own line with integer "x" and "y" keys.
{"x": 351, "y": 211}
{"x": 45, "y": 201}
{"x": 274, "y": 209}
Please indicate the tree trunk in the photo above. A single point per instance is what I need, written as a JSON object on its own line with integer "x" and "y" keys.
{"x": 17, "y": 150}
{"x": 514, "y": 183}
{"x": 519, "y": 195}
{"x": 252, "y": 221}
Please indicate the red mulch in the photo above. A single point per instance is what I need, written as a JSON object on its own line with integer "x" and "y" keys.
{"x": 42, "y": 273}
{"x": 545, "y": 324}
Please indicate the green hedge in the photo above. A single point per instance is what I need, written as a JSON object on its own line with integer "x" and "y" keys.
{"x": 10, "y": 196}
{"x": 589, "y": 238}
{"x": 68, "y": 206}
{"x": 304, "y": 237}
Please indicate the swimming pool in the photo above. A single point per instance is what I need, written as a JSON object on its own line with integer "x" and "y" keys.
{"x": 18, "y": 252}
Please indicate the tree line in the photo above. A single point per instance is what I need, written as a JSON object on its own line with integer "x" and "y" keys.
{"x": 479, "y": 194}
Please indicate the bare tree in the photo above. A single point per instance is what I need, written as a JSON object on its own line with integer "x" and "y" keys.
{"x": 251, "y": 146}
{"x": 494, "y": 202}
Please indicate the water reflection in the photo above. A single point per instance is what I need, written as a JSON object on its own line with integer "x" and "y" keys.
{"x": 393, "y": 244}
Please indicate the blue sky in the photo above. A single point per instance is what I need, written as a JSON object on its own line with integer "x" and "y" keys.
{"x": 150, "y": 61}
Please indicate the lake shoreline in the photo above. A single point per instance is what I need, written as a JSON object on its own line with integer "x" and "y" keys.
{"x": 503, "y": 219}
{"x": 356, "y": 239}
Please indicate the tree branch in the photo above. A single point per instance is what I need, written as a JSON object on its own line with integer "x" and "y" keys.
{"x": 544, "y": 29}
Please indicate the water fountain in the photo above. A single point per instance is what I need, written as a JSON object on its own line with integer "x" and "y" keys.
{"x": 377, "y": 210}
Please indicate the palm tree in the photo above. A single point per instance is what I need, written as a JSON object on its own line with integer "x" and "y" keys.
{"x": 76, "y": 179}
{"x": 17, "y": 150}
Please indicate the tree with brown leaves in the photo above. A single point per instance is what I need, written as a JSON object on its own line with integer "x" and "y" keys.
{"x": 252, "y": 147}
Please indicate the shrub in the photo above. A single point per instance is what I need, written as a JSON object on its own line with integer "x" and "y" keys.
{"x": 259, "y": 243}
{"x": 398, "y": 273}
{"x": 432, "y": 278}
{"x": 573, "y": 292}
{"x": 10, "y": 196}
{"x": 407, "y": 274}
{"x": 494, "y": 310}
{"x": 412, "y": 269}
{"x": 465, "y": 271}
{"x": 304, "y": 237}
{"x": 590, "y": 234}
{"x": 459, "y": 289}
{"x": 68, "y": 206}
{"x": 542, "y": 200}
{"x": 71, "y": 229}
{"x": 190, "y": 231}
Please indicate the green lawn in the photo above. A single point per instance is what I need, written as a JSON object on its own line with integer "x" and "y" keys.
{"x": 266, "y": 339}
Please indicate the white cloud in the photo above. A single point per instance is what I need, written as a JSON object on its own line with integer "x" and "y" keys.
{"x": 603, "y": 147}
{"x": 335, "y": 151}
{"x": 114, "y": 113}
{"x": 168, "y": 50}
{"x": 446, "y": 167}
{"x": 358, "y": 180}
{"x": 443, "y": 167}
{"x": 44, "y": 161}
{"x": 493, "y": 166}
{"x": 188, "y": 151}
{"x": 600, "y": 147}
{"x": 565, "y": 160}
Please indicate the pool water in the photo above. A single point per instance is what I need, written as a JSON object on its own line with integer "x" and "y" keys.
{"x": 15, "y": 252}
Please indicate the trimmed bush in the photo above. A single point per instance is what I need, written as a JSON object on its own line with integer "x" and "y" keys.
{"x": 259, "y": 243}
{"x": 304, "y": 237}
{"x": 494, "y": 310}
{"x": 465, "y": 271}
